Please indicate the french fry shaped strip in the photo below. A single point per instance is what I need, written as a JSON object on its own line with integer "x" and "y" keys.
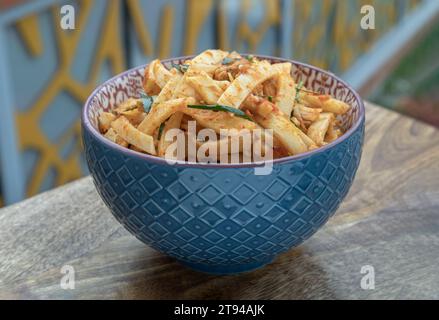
{"x": 161, "y": 112}
{"x": 174, "y": 122}
{"x": 305, "y": 113}
{"x": 285, "y": 131}
{"x": 133, "y": 136}
{"x": 113, "y": 136}
{"x": 317, "y": 130}
{"x": 326, "y": 103}
{"x": 132, "y": 109}
{"x": 286, "y": 93}
{"x": 210, "y": 56}
{"x": 284, "y": 67}
{"x": 223, "y": 84}
{"x": 208, "y": 89}
{"x": 135, "y": 117}
{"x": 183, "y": 89}
{"x": 156, "y": 77}
{"x": 308, "y": 141}
{"x": 224, "y": 145}
{"x": 244, "y": 84}
{"x": 129, "y": 105}
{"x": 105, "y": 119}
{"x": 219, "y": 120}
{"x": 169, "y": 89}
{"x": 208, "y": 68}
{"x": 335, "y": 106}
{"x": 333, "y": 132}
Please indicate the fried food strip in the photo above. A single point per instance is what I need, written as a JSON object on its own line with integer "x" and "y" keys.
{"x": 207, "y": 61}
{"x": 326, "y": 103}
{"x": 208, "y": 68}
{"x": 332, "y": 133}
{"x": 156, "y": 77}
{"x": 305, "y": 113}
{"x": 270, "y": 87}
{"x": 223, "y": 84}
{"x": 135, "y": 117}
{"x": 174, "y": 122}
{"x": 183, "y": 89}
{"x": 317, "y": 130}
{"x": 209, "y": 57}
{"x": 113, "y": 136}
{"x": 244, "y": 84}
{"x": 224, "y": 145}
{"x": 286, "y": 93}
{"x": 133, "y": 136}
{"x": 127, "y": 105}
{"x": 206, "y": 58}
{"x": 132, "y": 109}
{"x": 219, "y": 120}
{"x": 234, "y": 68}
{"x": 208, "y": 89}
{"x": 161, "y": 112}
{"x": 335, "y": 106}
{"x": 308, "y": 141}
{"x": 105, "y": 120}
{"x": 169, "y": 89}
{"x": 284, "y": 130}
{"x": 291, "y": 137}
{"x": 284, "y": 67}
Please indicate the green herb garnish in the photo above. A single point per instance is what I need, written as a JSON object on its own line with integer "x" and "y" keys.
{"x": 217, "y": 107}
{"x": 147, "y": 101}
{"x": 180, "y": 67}
{"x": 228, "y": 60}
{"x": 162, "y": 126}
{"x": 270, "y": 98}
{"x": 298, "y": 88}
{"x": 250, "y": 58}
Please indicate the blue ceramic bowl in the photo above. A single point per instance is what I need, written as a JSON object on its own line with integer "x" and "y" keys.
{"x": 223, "y": 218}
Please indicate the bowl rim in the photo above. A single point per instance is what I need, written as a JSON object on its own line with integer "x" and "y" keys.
{"x": 87, "y": 125}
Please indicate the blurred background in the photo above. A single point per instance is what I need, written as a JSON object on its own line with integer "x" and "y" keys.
{"x": 47, "y": 73}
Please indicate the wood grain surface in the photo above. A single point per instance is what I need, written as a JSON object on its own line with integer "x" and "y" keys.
{"x": 390, "y": 220}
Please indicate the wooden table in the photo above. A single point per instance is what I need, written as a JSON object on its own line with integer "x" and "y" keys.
{"x": 390, "y": 221}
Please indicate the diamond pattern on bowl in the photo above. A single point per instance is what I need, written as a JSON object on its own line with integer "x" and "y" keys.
{"x": 212, "y": 218}
{"x": 210, "y": 194}
{"x": 244, "y": 193}
{"x": 243, "y": 217}
{"x": 276, "y": 190}
{"x": 218, "y": 216}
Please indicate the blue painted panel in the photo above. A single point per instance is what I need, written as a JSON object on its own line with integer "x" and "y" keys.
{"x": 152, "y": 16}
{"x": 89, "y": 39}
{"x": 60, "y": 115}
{"x": 10, "y": 160}
{"x": 25, "y": 85}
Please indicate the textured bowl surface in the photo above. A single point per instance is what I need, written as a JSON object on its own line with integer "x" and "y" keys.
{"x": 223, "y": 218}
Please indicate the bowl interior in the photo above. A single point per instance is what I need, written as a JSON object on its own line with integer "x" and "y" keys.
{"x": 129, "y": 84}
